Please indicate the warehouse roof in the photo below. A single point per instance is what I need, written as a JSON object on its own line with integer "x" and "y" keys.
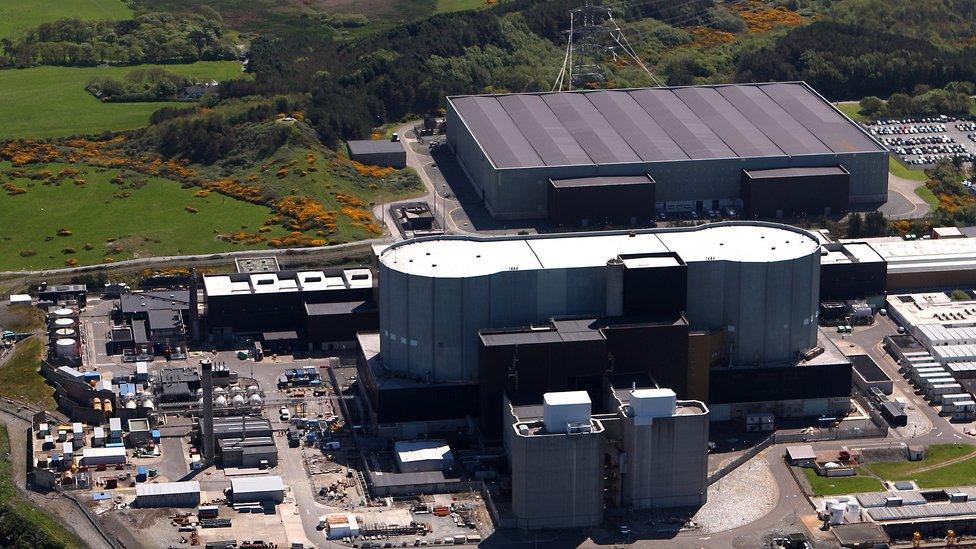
{"x": 658, "y": 124}
{"x": 374, "y": 146}
{"x": 247, "y": 485}
{"x": 467, "y": 256}
{"x": 926, "y": 255}
{"x": 164, "y": 488}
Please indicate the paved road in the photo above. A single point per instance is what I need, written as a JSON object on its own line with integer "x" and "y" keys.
{"x": 903, "y": 203}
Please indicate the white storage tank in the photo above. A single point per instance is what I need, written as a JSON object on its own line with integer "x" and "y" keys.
{"x": 853, "y": 511}
{"x": 837, "y": 514}
{"x": 64, "y": 322}
{"x": 238, "y": 400}
{"x": 220, "y": 401}
{"x": 256, "y": 399}
{"x": 64, "y": 333}
{"x": 63, "y": 312}
{"x": 564, "y": 408}
{"x": 66, "y": 347}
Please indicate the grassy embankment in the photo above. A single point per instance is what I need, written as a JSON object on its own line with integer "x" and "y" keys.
{"x": 22, "y": 524}
{"x": 52, "y": 101}
{"x": 18, "y": 15}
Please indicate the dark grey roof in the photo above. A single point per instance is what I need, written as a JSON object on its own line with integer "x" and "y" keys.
{"x": 329, "y": 309}
{"x": 796, "y": 172}
{"x": 556, "y": 331}
{"x": 164, "y": 319}
{"x": 658, "y": 124}
{"x": 374, "y": 146}
{"x": 160, "y": 301}
{"x": 610, "y": 180}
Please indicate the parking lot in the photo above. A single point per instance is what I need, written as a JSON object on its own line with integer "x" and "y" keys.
{"x": 921, "y": 142}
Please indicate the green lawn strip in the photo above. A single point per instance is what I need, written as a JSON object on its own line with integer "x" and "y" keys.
{"x": 152, "y": 220}
{"x": 52, "y": 101}
{"x": 852, "y": 110}
{"x": 927, "y": 195}
{"x": 19, "y": 15}
{"x": 23, "y": 524}
{"x": 896, "y": 167}
{"x": 934, "y": 455}
{"x": 20, "y": 378}
{"x": 962, "y": 473}
{"x": 833, "y": 486}
{"x": 445, "y": 6}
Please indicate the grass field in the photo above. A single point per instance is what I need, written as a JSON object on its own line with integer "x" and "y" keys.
{"x": 20, "y": 379}
{"x": 52, "y": 101}
{"x": 852, "y": 110}
{"x": 833, "y": 486}
{"x": 927, "y": 195}
{"x": 17, "y": 15}
{"x": 956, "y": 474}
{"x": 151, "y": 221}
{"x": 23, "y": 524}
{"x": 897, "y": 168}
{"x": 445, "y": 6}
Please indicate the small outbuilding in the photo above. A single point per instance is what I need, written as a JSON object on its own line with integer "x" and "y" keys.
{"x": 802, "y": 455}
{"x": 339, "y": 525}
{"x": 418, "y": 456}
{"x": 257, "y": 489}
{"x": 168, "y": 494}
{"x": 378, "y": 152}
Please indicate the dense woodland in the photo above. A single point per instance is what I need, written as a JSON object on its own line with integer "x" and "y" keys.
{"x": 148, "y": 38}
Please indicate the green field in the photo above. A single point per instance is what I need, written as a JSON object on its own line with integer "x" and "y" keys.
{"x": 927, "y": 195}
{"x": 897, "y": 168}
{"x": 151, "y": 221}
{"x": 852, "y": 110}
{"x": 445, "y": 6}
{"x": 833, "y": 486}
{"x": 956, "y": 474}
{"x": 17, "y": 15}
{"x": 52, "y": 101}
{"x": 20, "y": 379}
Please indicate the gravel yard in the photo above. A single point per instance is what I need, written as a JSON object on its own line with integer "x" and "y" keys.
{"x": 745, "y": 495}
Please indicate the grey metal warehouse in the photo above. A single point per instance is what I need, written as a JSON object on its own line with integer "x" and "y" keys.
{"x": 168, "y": 494}
{"x": 378, "y": 152}
{"x": 694, "y": 144}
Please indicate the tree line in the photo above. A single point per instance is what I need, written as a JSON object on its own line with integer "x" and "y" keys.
{"x": 147, "y": 38}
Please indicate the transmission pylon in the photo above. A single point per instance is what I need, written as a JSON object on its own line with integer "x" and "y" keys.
{"x": 593, "y": 36}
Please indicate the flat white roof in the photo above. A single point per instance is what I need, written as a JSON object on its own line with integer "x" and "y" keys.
{"x": 247, "y": 485}
{"x": 307, "y": 281}
{"x": 103, "y": 452}
{"x": 927, "y": 255}
{"x": 652, "y": 393}
{"x": 421, "y": 450}
{"x": 20, "y": 298}
{"x": 164, "y": 488}
{"x": 459, "y": 256}
{"x": 566, "y": 397}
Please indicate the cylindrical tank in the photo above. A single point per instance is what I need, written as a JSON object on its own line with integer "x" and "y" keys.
{"x": 64, "y": 322}
{"x": 236, "y": 390}
{"x": 853, "y": 511}
{"x": 237, "y": 400}
{"x": 63, "y": 311}
{"x": 219, "y": 390}
{"x": 199, "y": 392}
{"x": 255, "y": 399}
{"x": 220, "y": 401}
{"x": 148, "y": 403}
{"x": 64, "y": 332}
{"x": 130, "y": 404}
{"x": 97, "y": 404}
{"x": 837, "y": 514}
{"x": 66, "y": 347}
{"x": 107, "y": 406}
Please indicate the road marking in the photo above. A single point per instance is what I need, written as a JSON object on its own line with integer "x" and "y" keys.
{"x": 956, "y": 435}
{"x": 939, "y": 434}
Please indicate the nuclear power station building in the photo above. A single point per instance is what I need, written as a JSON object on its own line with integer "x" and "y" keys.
{"x": 596, "y": 156}
{"x": 724, "y": 313}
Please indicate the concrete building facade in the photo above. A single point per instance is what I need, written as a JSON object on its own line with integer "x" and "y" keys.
{"x": 757, "y": 282}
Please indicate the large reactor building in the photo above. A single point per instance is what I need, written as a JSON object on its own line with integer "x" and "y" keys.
{"x": 588, "y": 157}
{"x": 724, "y": 313}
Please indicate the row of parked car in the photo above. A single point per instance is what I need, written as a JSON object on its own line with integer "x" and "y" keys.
{"x": 910, "y": 129}
{"x": 920, "y": 140}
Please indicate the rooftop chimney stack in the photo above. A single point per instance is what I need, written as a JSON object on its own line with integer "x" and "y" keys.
{"x": 206, "y": 420}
